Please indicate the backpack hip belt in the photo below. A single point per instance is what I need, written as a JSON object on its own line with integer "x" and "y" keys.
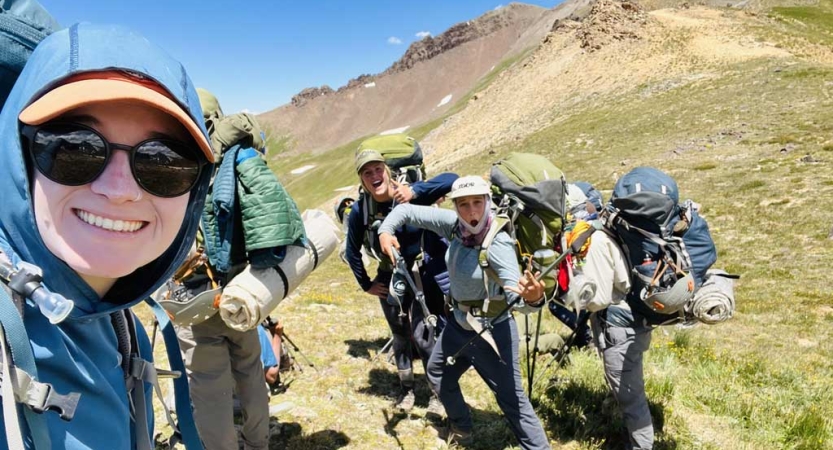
{"x": 475, "y": 307}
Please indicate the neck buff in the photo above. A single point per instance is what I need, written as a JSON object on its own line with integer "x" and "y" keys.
{"x": 473, "y": 236}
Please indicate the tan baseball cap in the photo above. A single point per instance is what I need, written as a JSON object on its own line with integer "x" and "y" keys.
{"x": 97, "y": 87}
{"x": 367, "y": 156}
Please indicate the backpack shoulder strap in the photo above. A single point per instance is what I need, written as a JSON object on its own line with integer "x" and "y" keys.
{"x": 137, "y": 371}
{"x": 19, "y": 362}
{"x": 182, "y": 399}
{"x": 501, "y": 221}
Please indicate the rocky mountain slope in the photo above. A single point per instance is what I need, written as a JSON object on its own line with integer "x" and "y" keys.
{"x": 420, "y": 86}
{"x": 616, "y": 49}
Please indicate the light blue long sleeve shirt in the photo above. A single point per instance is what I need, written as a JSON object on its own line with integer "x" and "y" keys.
{"x": 463, "y": 262}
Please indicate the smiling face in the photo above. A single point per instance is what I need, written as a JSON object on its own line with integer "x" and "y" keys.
{"x": 110, "y": 227}
{"x": 376, "y": 180}
{"x": 471, "y": 209}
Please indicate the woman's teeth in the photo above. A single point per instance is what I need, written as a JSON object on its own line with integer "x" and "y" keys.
{"x": 127, "y": 226}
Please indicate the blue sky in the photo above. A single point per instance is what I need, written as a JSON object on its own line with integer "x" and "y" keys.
{"x": 273, "y": 49}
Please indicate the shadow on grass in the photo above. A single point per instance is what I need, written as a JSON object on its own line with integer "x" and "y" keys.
{"x": 385, "y": 383}
{"x": 361, "y": 348}
{"x": 490, "y": 428}
{"x": 576, "y": 412}
{"x": 291, "y": 437}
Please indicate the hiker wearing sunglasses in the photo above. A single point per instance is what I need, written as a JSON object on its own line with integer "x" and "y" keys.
{"x": 494, "y": 352}
{"x": 405, "y": 319}
{"x": 105, "y": 167}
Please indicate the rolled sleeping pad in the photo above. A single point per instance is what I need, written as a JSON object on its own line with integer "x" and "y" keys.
{"x": 254, "y": 293}
{"x": 714, "y": 302}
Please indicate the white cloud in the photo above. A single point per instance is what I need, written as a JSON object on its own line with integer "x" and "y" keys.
{"x": 498, "y": 7}
{"x": 423, "y": 34}
{"x": 394, "y": 40}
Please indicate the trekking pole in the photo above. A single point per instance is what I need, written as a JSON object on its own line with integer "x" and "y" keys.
{"x": 531, "y": 374}
{"x": 451, "y": 360}
{"x": 298, "y": 350}
{"x": 565, "y": 349}
{"x": 418, "y": 294}
{"x": 383, "y": 349}
{"x": 526, "y": 336}
{"x": 153, "y": 335}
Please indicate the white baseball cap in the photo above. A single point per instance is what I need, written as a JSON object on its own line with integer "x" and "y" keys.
{"x": 470, "y": 185}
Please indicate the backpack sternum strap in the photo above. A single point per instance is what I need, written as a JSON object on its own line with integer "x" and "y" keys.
{"x": 41, "y": 397}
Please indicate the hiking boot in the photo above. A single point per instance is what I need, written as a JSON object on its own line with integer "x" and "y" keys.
{"x": 459, "y": 437}
{"x": 406, "y": 399}
{"x": 435, "y": 408}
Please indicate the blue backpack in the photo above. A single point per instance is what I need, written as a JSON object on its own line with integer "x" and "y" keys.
{"x": 23, "y": 24}
{"x": 667, "y": 244}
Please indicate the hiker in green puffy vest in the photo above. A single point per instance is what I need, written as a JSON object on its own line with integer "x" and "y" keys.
{"x": 248, "y": 221}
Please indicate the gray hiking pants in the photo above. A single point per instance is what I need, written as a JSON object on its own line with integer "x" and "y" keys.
{"x": 621, "y": 349}
{"x": 502, "y": 374}
{"x": 221, "y": 362}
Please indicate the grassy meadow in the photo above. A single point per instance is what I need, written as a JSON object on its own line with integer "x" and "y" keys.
{"x": 754, "y": 146}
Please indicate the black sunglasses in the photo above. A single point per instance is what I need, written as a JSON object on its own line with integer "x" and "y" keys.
{"x": 73, "y": 154}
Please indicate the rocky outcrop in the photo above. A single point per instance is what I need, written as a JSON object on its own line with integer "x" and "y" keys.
{"x": 361, "y": 80}
{"x": 457, "y": 35}
{"x": 611, "y": 20}
{"x": 301, "y": 98}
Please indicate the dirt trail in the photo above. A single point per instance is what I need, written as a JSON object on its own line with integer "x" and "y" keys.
{"x": 616, "y": 49}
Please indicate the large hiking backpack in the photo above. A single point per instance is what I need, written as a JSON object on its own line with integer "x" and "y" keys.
{"x": 23, "y": 24}
{"x": 403, "y": 156}
{"x": 529, "y": 192}
{"x": 667, "y": 244}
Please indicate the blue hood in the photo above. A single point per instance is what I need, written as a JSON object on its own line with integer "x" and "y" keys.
{"x": 88, "y": 48}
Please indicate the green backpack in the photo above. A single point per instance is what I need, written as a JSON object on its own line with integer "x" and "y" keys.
{"x": 530, "y": 194}
{"x": 402, "y": 154}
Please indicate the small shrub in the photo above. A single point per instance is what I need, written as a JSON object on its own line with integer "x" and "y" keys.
{"x": 808, "y": 430}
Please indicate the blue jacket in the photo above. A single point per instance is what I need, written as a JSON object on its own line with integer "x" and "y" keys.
{"x": 80, "y": 354}
{"x": 427, "y": 193}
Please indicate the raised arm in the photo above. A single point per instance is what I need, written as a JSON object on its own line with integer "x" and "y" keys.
{"x": 440, "y": 221}
{"x": 429, "y": 191}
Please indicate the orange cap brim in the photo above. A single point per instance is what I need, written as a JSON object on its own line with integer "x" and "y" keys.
{"x": 105, "y": 87}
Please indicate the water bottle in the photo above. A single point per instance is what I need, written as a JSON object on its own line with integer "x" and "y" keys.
{"x": 542, "y": 259}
